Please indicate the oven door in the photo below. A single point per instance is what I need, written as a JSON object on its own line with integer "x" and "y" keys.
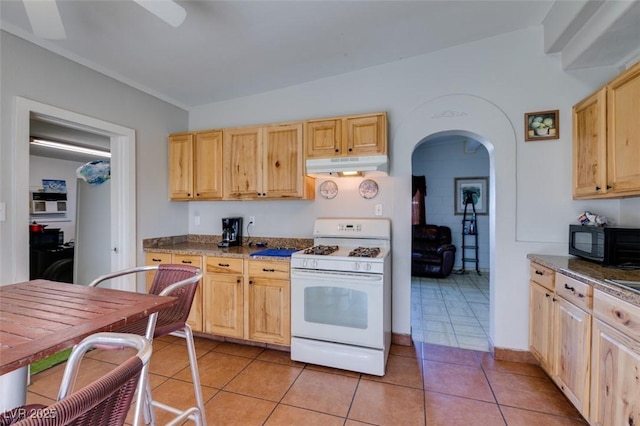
{"x": 338, "y": 307}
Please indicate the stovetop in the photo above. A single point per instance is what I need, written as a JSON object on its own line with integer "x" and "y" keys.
{"x": 339, "y": 251}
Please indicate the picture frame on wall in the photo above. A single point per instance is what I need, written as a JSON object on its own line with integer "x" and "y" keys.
{"x": 475, "y": 187}
{"x": 541, "y": 125}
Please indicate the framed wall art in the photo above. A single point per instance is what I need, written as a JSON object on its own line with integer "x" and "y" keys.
{"x": 541, "y": 125}
{"x": 475, "y": 189}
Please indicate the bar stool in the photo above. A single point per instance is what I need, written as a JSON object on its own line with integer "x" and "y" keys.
{"x": 178, "y": 281}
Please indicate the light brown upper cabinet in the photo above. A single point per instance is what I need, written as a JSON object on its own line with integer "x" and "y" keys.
{"x": 606, "y": 140}
{"x": 195, "y": 166}
{"x": 346, "y": 136}
{"x": 265, "y": 162}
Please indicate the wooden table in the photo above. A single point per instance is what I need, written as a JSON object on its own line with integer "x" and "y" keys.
{"x": 39, "y": 318}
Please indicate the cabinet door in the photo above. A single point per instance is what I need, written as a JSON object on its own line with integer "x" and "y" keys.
{"x": 623, "y": 137}
{"x": 181, "y": 166}
{"x": 155, "y": 259}
{"x": 589, "y": 146}
{"x": 572, "y": 353}
{"x": 366, "y": 135}
{"x": 195, "y": 315}
{"x": 208, "y": 165}
{"x": 323, "y": 138}
{"x": 540, "y": 325}
{"x": 223, "y": 305}
{"x": 615, "y": 387}
{"x": 268, "y": 312}
{"x": 243, "y": 163}
{"x": 283, "y": 167}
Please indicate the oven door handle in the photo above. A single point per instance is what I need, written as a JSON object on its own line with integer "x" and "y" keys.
{"x": 319, "y": 275}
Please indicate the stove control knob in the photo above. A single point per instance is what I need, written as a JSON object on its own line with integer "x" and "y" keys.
{"x": 367, "y": 266}
{"x": 304, "y": 263}
{"x": 357, "y": 266}
{"x": 314, "y": 263}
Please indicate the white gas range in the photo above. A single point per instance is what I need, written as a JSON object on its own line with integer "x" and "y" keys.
{"x": 341, "y": 296}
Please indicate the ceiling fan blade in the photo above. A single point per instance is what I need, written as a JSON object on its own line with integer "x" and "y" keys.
{"x": 167, "y": 10}
{"x": 45, "y": 19}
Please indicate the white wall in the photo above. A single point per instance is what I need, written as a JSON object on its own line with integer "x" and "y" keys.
{"x": 34, "y": 73}
{"x": 52, "y": 168}
{"x": 510, "y": 72}
{"x": 441, "y": 163}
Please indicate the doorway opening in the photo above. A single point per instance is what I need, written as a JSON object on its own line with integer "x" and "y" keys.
{"x": 450, "y": 305}
{"x": 122, "y": 239}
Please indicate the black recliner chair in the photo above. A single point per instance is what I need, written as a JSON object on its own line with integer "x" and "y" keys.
{"x": 432, "y": 254}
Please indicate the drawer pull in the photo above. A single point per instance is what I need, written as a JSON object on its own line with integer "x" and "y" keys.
{"x": 268, "y": 270}
{"x": 187, "y": 261}
{"x": 224, "y": 265}
{"x": 156, "y": 260}
{"x": 539, "y": 272}
{"x": 569, "y": 288}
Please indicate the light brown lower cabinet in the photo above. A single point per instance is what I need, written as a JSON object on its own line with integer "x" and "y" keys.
{"x": 541, "y": 314}
{"x": 224, "y": 297}
{"x": 615, "y": 378}
{"x": 267, "y": 302}
{"x": 572, "y": 353}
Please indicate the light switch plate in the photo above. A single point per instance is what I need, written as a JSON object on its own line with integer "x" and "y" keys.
{"x": 378, "y": 210}
{"x": 3, "y": 212}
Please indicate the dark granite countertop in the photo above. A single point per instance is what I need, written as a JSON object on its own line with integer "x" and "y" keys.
{"x": 593, "y": 274}
{"x": 207, "y": 245}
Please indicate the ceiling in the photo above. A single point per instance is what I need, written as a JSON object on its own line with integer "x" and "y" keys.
{"x": 228, "y": 49}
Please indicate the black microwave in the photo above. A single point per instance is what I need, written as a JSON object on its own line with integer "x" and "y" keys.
{"x": 609, "y": 246}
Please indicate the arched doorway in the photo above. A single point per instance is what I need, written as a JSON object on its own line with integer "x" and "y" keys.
{"x": 477, "y": 118}
{"x": 450, "y": 307}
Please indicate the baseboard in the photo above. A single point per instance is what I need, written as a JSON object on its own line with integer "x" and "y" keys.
{"x": 512, "y": 355}
{"x": 401, "y": 339}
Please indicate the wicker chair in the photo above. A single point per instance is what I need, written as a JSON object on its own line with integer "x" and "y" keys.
{"x": 179, "y": 281}
{"x": 103, "y": 402}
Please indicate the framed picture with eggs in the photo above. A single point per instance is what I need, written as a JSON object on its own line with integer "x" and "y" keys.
{"x": 541, "y": 125}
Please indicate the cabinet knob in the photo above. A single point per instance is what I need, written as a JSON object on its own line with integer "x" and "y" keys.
{"x": 337, "y": 150}
{"x": 238, "y": 280}
{"x": 197, "y": 194}
{"x": 250, "y": 281}
{"x": 609, "y": 187}
{"x": 350, "y": 149}
{"x": 547, "y": 294}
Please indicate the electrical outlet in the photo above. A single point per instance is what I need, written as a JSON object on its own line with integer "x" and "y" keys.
{"x": 196, "y": 220}
{"x": 252, "y": 220}
{"x": 378, "y": 210}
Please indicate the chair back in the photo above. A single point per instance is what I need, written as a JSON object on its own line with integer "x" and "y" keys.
{"x": 105, "y": 401}
{"x": 179, "y": 281}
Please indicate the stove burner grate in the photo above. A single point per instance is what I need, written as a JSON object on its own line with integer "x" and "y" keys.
{"x": 365, "y": 252}
{"x": 321, "y": 250}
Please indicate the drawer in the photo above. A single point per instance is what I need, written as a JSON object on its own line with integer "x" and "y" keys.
{"x": 542, "y": 275}
{"x": 619, "y": 314}
{"x": 157, "y": 258}
{"x": 188, "y": 259}
{"x": 574, "y": 291}
{"x": 224, "y": 265}
{"x": 266, "y": 269}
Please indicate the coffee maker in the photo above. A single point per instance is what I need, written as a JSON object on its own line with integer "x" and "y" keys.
{"x": 231, "y": 232}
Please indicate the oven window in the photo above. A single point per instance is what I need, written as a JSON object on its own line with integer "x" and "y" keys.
{"x": 336, "y": 306}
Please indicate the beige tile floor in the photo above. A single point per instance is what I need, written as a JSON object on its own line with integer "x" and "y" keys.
{"x": 452, "y": 311}
{"x": 424, "y": 385}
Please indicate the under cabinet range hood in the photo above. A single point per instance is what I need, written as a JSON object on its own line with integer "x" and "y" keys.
{"x": 373, "y": 164}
